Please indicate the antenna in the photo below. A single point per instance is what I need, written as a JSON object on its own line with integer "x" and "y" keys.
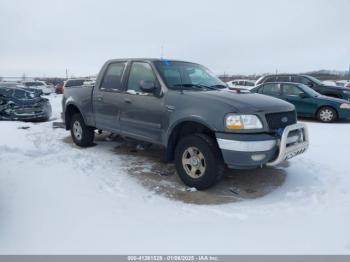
{"x": 161, "y": 52}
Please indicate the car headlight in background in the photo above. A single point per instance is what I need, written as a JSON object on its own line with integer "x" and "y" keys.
{"x": 234, "y": 121}
{"x": 345, "y": 106}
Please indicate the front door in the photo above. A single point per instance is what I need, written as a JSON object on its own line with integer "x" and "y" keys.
{"x": 142, "y": 115}
{"x": 303, "y": 104}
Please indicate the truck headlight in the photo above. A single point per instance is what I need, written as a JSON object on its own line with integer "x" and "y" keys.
{"x": 234, "y": 121}
{"x": 345, "y": 106}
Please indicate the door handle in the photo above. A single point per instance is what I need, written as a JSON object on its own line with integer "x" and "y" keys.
{"x": 99, "y": 97}
{"x": 127, "y": 100}
{"x": 170, "y": 108}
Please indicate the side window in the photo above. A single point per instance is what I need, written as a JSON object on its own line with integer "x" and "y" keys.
{"x": 270, "y": 79}
{"x": 272, "y": 90}
{"x": 283, "y": 79}
{"x": 139, "y": 72}
{"x": 112, "y": 80}
{"x": 247, "y": 83}
{"x": 291, "y": 90}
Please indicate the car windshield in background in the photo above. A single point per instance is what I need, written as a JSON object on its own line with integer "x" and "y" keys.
{"x": 17, "y": 93}
{"x": 309, "y": 90}
{"x": 315, "y": 80}
{"x": 183, "y": 75}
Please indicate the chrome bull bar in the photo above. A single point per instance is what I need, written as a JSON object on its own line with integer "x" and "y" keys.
{"x": 291, "y": 145}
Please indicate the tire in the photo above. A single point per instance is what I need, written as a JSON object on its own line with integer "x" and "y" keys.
{"x": 82, "y": 135}
{"x": 326, "y": 114}
{"x": 203, "y": 170}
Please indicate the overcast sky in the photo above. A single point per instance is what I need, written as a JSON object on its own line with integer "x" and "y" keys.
{"x": 43, "y": 38}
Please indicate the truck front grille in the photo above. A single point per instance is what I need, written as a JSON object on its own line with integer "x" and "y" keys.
{"x": 281, "y": 120}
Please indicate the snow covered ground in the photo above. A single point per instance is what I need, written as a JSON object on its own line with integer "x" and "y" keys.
{"x": 56, "y": 198}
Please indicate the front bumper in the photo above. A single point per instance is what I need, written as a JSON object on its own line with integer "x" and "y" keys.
{"x": 344, "y": 113}
{"x": 245, "y": 151}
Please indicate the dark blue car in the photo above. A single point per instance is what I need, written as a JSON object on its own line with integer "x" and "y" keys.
{"x": 308, "y": 102}
{"x": 23, "y": 104}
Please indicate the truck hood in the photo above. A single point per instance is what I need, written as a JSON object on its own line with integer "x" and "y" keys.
{"x": 243, "y": 102}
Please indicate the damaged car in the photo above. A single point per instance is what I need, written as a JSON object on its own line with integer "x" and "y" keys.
{"x": 23, "y": 104}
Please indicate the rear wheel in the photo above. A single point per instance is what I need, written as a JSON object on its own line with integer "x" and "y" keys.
{"x": 198, "y": 161}
{"x": 326, "y": 114}
{"x": 82, "y": 135}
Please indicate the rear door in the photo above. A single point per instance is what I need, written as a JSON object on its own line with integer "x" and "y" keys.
{"x": 107, "y": 98}
{"x": 142, "y": 115}
{"x": 272, "y": 89}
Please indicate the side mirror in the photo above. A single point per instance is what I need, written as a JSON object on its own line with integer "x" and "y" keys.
{"x": 310, "y": 85}
{"x": 148, "y": 86}
{"x": 303, "y": 95}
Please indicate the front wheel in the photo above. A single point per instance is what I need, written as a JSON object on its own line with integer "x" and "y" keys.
{"x": 198, "y": 161}
{"x": 82, "y": 135}
{"x": 326, "y": 114}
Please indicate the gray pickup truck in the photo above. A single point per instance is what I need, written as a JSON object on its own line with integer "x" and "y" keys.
{"x": 182, "y": 106}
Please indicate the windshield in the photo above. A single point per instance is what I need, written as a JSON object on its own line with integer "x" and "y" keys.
{"x": 314, "y": 79}
{"x": 183, "y": 75}
{"x": 309, "y": 90}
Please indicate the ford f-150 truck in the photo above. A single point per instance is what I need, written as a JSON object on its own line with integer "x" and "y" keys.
{"x": 203, "y": 126}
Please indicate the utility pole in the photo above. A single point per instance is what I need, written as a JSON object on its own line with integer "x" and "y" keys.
{"x": 67, "y": 73}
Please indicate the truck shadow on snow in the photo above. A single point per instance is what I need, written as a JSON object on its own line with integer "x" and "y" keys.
{"x": 161, "y": 178}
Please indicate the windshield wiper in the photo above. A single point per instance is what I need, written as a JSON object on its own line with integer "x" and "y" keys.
{"x": 219, "y": 86}
{"x": 196, "y": 85}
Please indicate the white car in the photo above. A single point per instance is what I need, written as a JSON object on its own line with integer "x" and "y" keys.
{"x": 241, "y": 83}
{"x": 343, "y": 83}
{"x": 329, "y": 83}
{"x": 41, "y": 85}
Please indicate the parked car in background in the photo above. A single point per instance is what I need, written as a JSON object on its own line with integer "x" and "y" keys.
{"x": 309, "y": 81}
{"x": 12, "y": 84}
{"x": 23, "y": 104}
{"x": 307, "y": 102}
{"x": 41, "y": 85}
{"x": 343, "y": 83}
{"x": 183, "y": 107}
{"x": 241, "y": 83}
{"x": 59, "y": 88}
{"x": 329, "y": 83}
